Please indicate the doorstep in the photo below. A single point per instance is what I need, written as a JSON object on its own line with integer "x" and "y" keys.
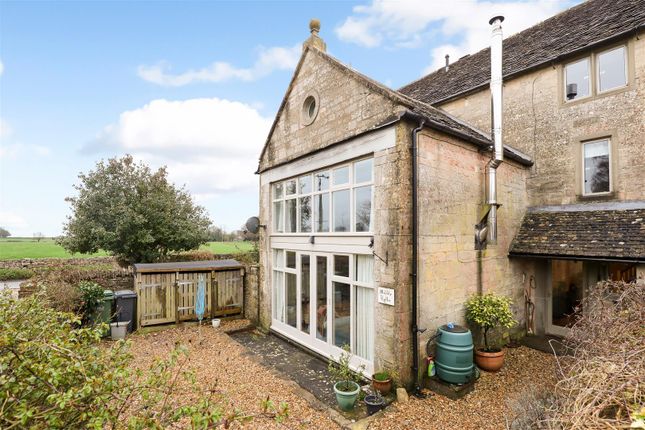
{"x": 306, "y": 369}
{"x": 545, "y": 343}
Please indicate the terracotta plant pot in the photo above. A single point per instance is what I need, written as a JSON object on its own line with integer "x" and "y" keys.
{"x": 383, "y": 386}
{"x": 489, "y": 361}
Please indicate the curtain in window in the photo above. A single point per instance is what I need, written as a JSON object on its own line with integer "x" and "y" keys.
{"x": 364, "y": 320}
{"x": 364, "y": 334}
{"x": 364, "y": 269}
{"x": 278, "y": 295}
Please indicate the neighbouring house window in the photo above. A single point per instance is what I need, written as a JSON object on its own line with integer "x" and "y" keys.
{"x": 596, "y": 167}
{"x": 577, "y": 73}
{"x": 333, "y": 200}
{"x": 596, "y": 74}
{"x": 612, "y": 69}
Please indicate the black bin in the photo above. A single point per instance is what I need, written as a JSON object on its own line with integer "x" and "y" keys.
{"x": 126, "y": 308}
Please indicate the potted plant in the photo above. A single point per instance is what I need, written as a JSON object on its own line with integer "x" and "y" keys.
{"x": 374, "y": 401}
{"x": 487, "y": 312}
{"x": 345, "y": 380}
{"x": 382, "y": 381}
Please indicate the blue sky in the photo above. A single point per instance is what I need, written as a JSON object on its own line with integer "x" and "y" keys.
{"x": 191, "y": 85}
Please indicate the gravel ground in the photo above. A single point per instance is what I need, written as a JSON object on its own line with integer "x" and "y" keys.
{"x": 484, "y": 408}
{"x": 219, "y": 361}
{"x": 222, "y": 363}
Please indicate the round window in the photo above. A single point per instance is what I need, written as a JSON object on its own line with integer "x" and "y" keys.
{"x": 309, "y": 109}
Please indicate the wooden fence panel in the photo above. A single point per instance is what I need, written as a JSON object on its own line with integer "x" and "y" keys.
{"x": 155, "y": 298}
{"x": 170, "y": 297}
{"x": 230, "y": 293}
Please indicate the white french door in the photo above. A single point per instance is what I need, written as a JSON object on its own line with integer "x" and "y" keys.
{"x": 325, "y": 301}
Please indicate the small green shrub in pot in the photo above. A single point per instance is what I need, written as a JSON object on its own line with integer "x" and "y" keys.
{"x": 346, "y": 381}
{"x": 487, "y": 312}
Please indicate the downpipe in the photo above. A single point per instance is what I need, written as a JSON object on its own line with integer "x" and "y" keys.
{"x": 416, "y": 389}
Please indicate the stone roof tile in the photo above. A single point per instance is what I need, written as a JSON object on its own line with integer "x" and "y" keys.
{"x": 571, "y": 31}
{"x": 594, "y": 234}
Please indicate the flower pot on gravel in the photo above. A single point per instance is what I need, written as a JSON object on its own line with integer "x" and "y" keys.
{"x": 346, "y": 394}
{"x": 374, "y": 403}
{"x": 382, "y": 382}
{"x": 489, "y": 361}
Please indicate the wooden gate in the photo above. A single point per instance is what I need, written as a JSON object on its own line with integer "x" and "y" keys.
{"x": 170, "y": 297}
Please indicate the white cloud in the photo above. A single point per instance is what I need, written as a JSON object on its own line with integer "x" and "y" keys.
{"x": 11, "y": 220}
{"x": 269, "y": 59}
{"x": 13, "y": 150}
{"x": 1, "y": 67}
{"x": 211, "y": 145}
{"x": 410, "y": 23}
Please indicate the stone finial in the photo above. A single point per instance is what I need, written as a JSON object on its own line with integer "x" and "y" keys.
{"x": 314, "y": 25}
{"x": 314, "y": 41}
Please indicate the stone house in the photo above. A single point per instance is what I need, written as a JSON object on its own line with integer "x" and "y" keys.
{"x": 375, "y": 200}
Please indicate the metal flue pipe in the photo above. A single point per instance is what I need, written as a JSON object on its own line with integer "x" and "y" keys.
{"x": 496, "y": 120}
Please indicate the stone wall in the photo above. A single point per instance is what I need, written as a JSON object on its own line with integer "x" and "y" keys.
{"x": 451, "y": 196}
{"x": 346, "y": 107}
{"x": 537, "y": 121}
{"x": 251, "y": 293}
{"x": 392, "y": 239}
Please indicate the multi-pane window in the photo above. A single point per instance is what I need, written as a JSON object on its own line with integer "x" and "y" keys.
{"x": 341, "y": 288}
{"x": 596, "y": 74}
{"x": 337, "y": 200}
{"x": 596, "y": 167}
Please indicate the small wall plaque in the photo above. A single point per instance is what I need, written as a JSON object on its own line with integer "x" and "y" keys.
{"x": 386, "y": 296}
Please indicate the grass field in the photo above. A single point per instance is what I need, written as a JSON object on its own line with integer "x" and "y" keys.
{"x": 17, "y": 248}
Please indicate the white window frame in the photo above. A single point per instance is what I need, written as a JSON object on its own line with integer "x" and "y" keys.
{"x": 582, "y": 150}
{"x": 626, "y": 63}
{"x": 350, "y": 186}
{"x": 589, "y": 73}
{"x": 310, "y": 340}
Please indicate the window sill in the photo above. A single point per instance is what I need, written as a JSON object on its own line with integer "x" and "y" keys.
{"x": 597, "y": 197}
{"x": 596, "y": 96}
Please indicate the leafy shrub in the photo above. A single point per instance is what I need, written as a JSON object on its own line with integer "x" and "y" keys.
{"x": 14, "y": 274}
{"x": 92, "y": 299}
{"x": 56, "y": 374}
{"x": 490, "y": 311}
{"x": 341, "y": 372}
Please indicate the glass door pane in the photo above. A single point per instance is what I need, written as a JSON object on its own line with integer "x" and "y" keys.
{"x": 342, "y": 314}
{"x": 321, "y": 298}
{"x": 292, "y": 298}
{"x": 305, "y": 273}
{"x": 567, "y": 285}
